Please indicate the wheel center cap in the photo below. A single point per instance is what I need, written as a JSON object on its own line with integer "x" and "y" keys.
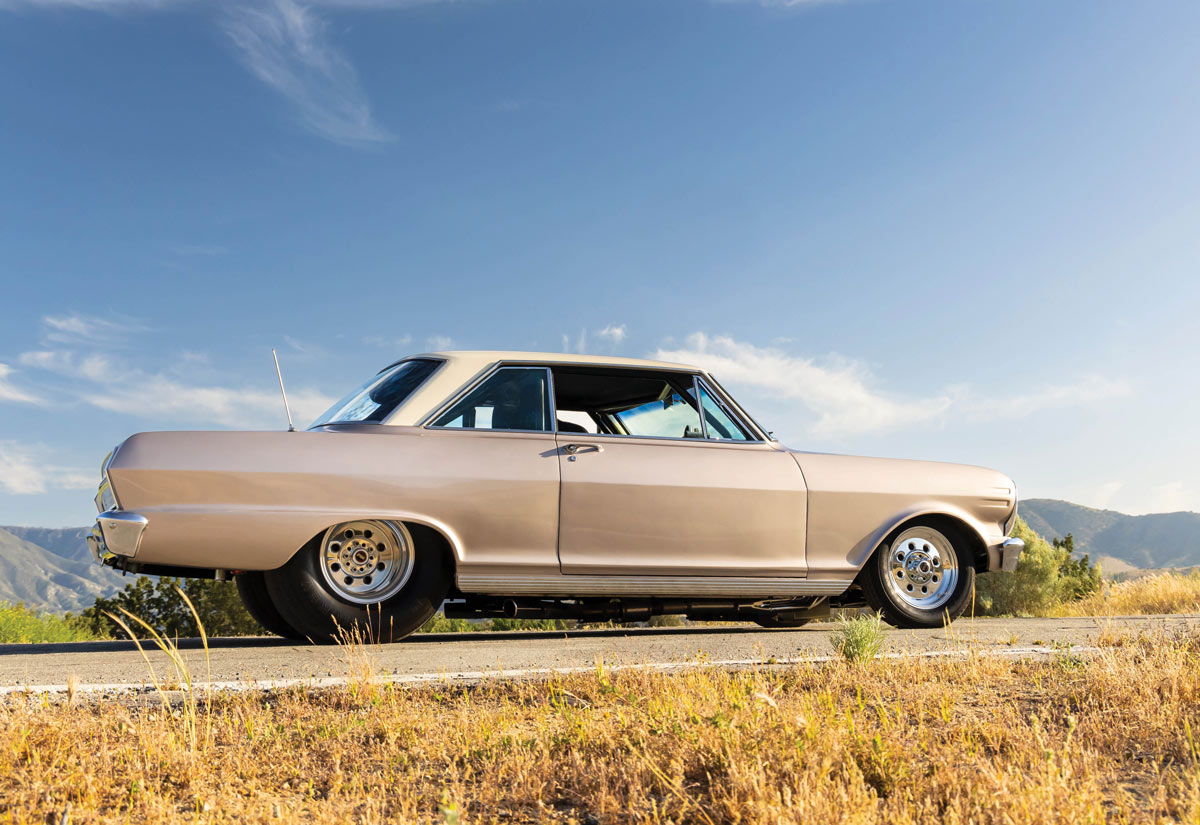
{"x": 919, "y": 567}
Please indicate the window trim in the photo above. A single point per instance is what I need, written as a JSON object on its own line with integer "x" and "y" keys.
{"x": 704, "y": 386}
{"x": 759, "y": 435}
{"x": 427, "y": 422}
{"x": 439, "y": 363}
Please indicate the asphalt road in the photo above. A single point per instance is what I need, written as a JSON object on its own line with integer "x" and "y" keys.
{"x": 264, "y": 662}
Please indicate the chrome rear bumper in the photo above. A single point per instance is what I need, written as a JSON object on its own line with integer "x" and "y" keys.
{"x": 116, "y": 533}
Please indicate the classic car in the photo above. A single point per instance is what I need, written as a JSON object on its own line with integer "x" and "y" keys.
{"x": 535, "y": 485}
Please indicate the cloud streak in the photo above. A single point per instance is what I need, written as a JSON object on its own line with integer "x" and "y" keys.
{"x": 837, "y": 392}
{"x": 8, "y": 392}
{"x": 286, "y": 46}
{"x": 26, "y": 471}
{"x": 163, "y": 397}
{"x": 841, "y": 394}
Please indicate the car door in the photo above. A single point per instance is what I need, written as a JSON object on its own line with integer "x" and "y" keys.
{"x": 489, "y": 468}
{"x": 696, "y": 504}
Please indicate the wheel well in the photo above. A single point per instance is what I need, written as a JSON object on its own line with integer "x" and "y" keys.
{"x": 954, "y": 526}
{"x": 426, "y": 537}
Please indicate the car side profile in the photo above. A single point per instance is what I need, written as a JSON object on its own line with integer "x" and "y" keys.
{"x": 547, "y": 486}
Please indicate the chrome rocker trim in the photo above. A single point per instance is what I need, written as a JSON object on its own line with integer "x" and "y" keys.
{"x": 117, "y": 533}
{"x": 650, "y": 586}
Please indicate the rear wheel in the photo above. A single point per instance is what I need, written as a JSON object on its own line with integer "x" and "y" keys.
{"x": 369, "y": 576}
{"x": 252, "y": 587}
{"x": 922, "y": 576}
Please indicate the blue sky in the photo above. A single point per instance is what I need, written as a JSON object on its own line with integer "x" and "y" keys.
{"x": 964, "y": 231}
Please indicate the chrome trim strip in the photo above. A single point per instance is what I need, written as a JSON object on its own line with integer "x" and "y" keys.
{"x": 584, "y": 585}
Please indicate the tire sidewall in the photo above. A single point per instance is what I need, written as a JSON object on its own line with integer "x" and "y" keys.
{"x": 903, "y": 614}
{"x": 305, "y": 600}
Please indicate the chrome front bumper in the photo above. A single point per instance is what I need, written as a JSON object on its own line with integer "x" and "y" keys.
{"x": 1010, "y": 554}
{"x": 116, "y": 533}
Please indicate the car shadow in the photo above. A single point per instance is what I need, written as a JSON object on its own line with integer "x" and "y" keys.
{"x": 416, "y": 640}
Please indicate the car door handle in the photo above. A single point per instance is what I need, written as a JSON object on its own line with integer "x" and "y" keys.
{"x": 575, "y": 449}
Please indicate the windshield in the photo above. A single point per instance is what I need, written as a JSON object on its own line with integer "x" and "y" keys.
{"x": 376, "y": 399}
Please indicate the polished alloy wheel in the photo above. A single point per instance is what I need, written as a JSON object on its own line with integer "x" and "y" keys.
{"x": 366, "y": 562}
{"x": 922, "y": 568}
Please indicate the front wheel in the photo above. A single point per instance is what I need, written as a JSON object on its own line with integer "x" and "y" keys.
{"x": 922, "y": 576}
{"x": 364, "y": 576}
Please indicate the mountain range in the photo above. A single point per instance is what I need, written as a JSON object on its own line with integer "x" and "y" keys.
{"x": 52, "y": 570}
{"x": 1119, "y": 541}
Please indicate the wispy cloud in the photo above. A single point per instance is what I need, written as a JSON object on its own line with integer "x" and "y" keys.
{"x": 9, "y": 392}
{"x": 1086, "y": 390}
{"x": 26, "y": 470}
{"x": 391, "y": 344}
{"x": 614, "y": 333}
{"x": 160, "y": 397}
{"x": 836, "y": 390}
{"x": 82, "y": 329}
{"x": 286, "y": 46}
{"x": 168, "y": 397}
{"x": 845, "y": 399}
{"x": 436, "y": 343}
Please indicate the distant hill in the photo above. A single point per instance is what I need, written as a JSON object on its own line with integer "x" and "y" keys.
{"x": 1152, "y": 541}
{"x": 53, "y": 577}
{"x": 67, "y": 542}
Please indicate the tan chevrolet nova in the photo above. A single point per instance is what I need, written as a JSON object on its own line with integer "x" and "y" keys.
{"x": 548, "y": 486}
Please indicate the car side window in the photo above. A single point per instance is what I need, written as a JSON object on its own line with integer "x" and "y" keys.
{"x": 718, "y": 423}
{"x": 513, "y": 398}
{"x": 672, "y": 416}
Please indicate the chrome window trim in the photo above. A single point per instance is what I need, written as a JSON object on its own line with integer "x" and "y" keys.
{"x": 427, "y": 421}
{"x": 441, "y": 362}
{"x": 715, "y": 389}
{"x": 732, "y": 404}
{"x": 751, "y": 438}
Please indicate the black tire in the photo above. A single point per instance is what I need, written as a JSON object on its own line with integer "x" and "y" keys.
{"x": 894, "y": 609}
{"x": 252, "y": 587}
{"x": 776, "y": 621}
{"x": 306, "y": 602}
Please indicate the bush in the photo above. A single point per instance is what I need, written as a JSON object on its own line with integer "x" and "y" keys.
{"x": 1046, "y": 578}
{"x": 156, "y": 603}
{"x": 20, "y": 624}
{"x": 859, "y": 639}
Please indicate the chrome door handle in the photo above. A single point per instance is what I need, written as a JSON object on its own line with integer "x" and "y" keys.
{"x": 574, "y": 449}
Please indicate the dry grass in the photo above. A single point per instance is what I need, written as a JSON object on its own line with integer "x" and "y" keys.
{"x": 1161, "y": 593}
{"x": 980, "y": 740}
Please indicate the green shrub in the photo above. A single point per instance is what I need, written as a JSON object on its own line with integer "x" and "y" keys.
{"x": 859, "y": 639}
{"x": 217, "y": 603}
{"x": 1046, "y": 578}
{"x": 20, "y": 624}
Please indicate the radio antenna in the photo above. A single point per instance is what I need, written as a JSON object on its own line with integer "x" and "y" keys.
{"x": 286, "y": 408}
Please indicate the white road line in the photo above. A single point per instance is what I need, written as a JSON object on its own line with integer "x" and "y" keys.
{"x": 469, "y": 676}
